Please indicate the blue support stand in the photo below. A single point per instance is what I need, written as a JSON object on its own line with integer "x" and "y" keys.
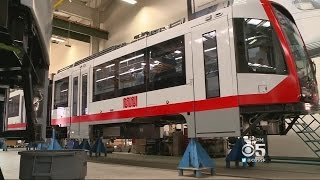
{"x": 76, "y": 144}
{"x": 237, "y": 156}
{"x": 70, "y": 144}
{"x": 85, "y": 145}
{"x": 53, "y": 145}
{"x": 196, "y": 158}
{"x": 98, "y": 148}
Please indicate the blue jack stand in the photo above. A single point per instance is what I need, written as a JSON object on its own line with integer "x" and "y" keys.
{"x": 98, "y": 148}
{"x": 236, "y": 155}
{"x": 32, "y": 145}
{"x": 196, "y": 158}
{"x": 76, "y": 144}
{"x": 53, "y": 145}
{"x": 85, "y": 145}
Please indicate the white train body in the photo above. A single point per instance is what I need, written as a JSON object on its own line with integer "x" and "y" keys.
{"x": 202, "y": 71}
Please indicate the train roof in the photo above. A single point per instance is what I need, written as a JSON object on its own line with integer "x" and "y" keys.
{"x": 213, "y": 8}
{"x": 216, "y": 6}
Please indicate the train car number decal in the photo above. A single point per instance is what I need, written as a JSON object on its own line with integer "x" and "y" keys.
{"x": 130, "y": 102}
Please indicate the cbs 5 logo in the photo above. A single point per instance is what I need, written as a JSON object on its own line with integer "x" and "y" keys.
{"x": 249, "y": 150}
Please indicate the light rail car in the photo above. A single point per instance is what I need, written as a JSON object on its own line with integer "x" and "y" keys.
{"x": 16, "y": 116}
{"x": 236, "y": 71}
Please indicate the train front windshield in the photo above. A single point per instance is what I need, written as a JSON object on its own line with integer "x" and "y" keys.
{"x": 303, "y": 63}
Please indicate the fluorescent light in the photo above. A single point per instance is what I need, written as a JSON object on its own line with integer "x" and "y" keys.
{"x": 131, "y": 71}
{"x": 201, "y": 40}
{"x": 211, "y": 49}
{"x": 266, "y": 24}
{"x": 305, "y": 5}
{"x": 98, "y": 70}
{"x": 177, "y": 52}
{"x": 130, "y": 1}
{"x": 136, "y": 57}
{"x": 105, "y": 79}
{"x": 178, "y": 58}
{"x": 64, "y": 90}
{"x": 254, "y": 21}
{"x": 251, "y": 38}
{"x": 57, "y": 39}
{"x": 255, "y": 40}
{"x": 110, "y": 66}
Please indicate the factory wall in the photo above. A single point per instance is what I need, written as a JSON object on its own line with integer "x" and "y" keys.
{"x": 124, "y": 21}
{"x": 62, "y": 56}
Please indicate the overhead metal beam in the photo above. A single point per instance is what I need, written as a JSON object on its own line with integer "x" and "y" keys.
{"x": 71, "y": 35}
{"x": 79, "y": 28}
{"x": 77, "y": 9}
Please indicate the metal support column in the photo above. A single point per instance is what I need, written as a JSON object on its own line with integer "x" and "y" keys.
{"x": 28, "y": 95}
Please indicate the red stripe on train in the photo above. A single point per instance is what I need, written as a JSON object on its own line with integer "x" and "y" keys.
{"x": 18, "y": 125}
{"x": 204, "y": 105}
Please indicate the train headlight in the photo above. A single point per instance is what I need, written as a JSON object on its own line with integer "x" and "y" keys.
{"x": 307, "y": 106}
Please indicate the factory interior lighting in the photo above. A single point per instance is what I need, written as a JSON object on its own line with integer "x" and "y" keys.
{"x": 130, "y": 1}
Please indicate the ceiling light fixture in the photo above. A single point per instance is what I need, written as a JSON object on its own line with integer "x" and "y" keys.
{"x": 130, "y": 1}
{"x": 266, "y": 24}
{"x": 211, "y": 49}
{"x": 57, "y": 39}
{"x": 255, "y": 40}
{"x": 254, "y": 21}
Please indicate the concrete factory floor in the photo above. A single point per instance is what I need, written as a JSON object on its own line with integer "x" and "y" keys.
{"x": 132, "y": 166}
{"x": 9, "y": 163}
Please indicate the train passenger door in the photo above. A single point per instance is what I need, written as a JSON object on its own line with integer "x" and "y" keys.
{"x": 79, "y": 102}
{"x": 215, "y": 89}
{"x": 84, "y": 99}
{"x": 75, "y": 102}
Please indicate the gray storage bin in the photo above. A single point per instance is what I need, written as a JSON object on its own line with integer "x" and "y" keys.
{"x": 62, "y": 164}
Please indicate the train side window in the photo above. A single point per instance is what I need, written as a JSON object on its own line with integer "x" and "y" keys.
{"x": 210, "y": 53}
{"x": 84, "y": 94}
{"x": 13, "y": 106}
{"x": 61, "y": 93}
{"x": 131, "y": 74}
{"x": 258, "y": 49}
{"x": 104, "y": 78}
{"x": 75, "y": 96}
{"x": 167, "y": 64}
